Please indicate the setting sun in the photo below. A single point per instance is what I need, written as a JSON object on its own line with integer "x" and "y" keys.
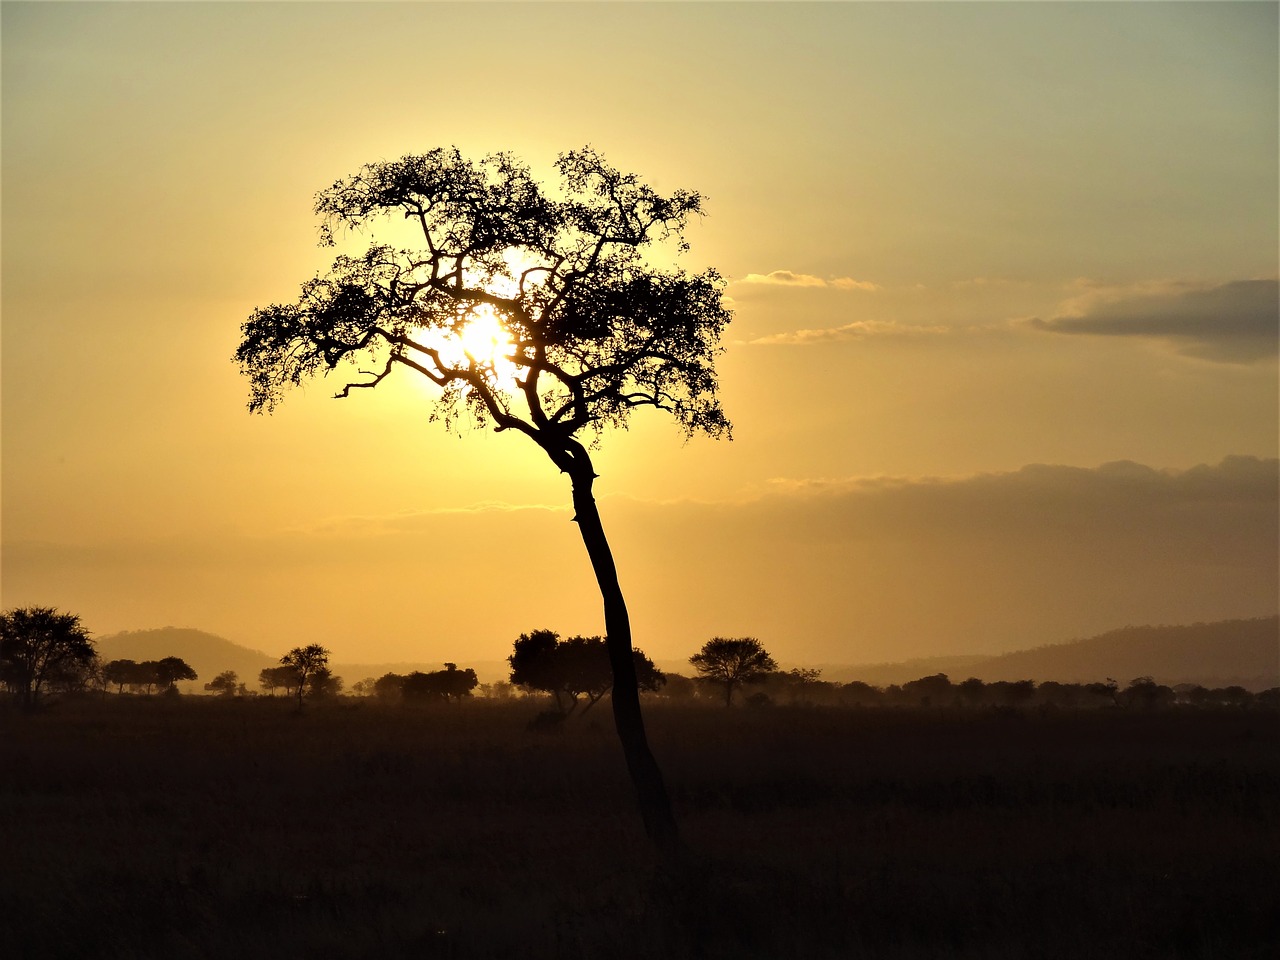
{"x": 485, "y": 342}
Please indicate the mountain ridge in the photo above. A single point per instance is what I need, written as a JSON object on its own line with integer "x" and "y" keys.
{"x": 1218, "y": 653}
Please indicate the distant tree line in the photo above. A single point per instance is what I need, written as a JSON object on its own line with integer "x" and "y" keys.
{"x": 805, "y": 687}
{"x": 147, "y": 676}
{"x": 43, "y": 651}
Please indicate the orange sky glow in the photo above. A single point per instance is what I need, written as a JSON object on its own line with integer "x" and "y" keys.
{"x": 1003, "y": 368}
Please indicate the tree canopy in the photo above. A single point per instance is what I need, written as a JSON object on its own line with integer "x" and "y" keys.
{"x": 572, "y": 668}
{"x": 731, "y": 661}
{"x": 591, "y": 328}
{"x": 38, "y": 644}
{"x": 307, "y": 664}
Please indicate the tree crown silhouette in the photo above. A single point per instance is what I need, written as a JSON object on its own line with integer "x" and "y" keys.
{"x": 596, "y": 329}
{"x": 593, "y": 326}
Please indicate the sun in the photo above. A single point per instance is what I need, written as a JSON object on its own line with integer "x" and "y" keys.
{"x": 484, "y": 342}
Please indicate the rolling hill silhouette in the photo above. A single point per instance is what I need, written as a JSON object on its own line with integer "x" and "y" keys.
{"x": 207, "y": 653}
{"x": 1218, "y": 654}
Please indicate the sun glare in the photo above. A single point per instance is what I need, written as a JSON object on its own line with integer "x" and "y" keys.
{"x": 484, "y": 342}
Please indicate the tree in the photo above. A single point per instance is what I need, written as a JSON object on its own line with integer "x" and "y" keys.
{"x": 573, "y": 668}
{"x": 439, "y": 685}
{"x": 364, "y": 688}
{"x": 305, "y": 663}
{"x": 537, "y": 313}
{"x": 732, "y": 661}
{"x": 120, "y": 672}
{"x": 389, "y": 687}
{"x": 270, "y": 678}
{"x": 323, "y": 684}
{"x": 934, "y": 690}
{"x": 224, "y": 684}
{"x": 38, "y": 645}
{"x": 170, "y": 670}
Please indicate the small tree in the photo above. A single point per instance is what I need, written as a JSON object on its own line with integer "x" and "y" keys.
{"x": 389, "y": 687}
{"x": 364, "y": 688}
{"x": 224, "y": 684}
{"x": 935, "y": 690}
{"x": 38, "y": 644}
{"x": 120, "y": 672}
{"x": 439, "y": 685}
{"x": 282, "y": 677}
{"x": 172, "y": 669}
{"x": 731, "y": 661}
{"x": 542, "y": 313}
{"x": 305, "y": 663}
{"x": 324, "y": 684}
{"x": 573, "y": 668}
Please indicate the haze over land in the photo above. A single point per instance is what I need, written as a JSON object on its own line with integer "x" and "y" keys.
{"x": 1003, "y": 369}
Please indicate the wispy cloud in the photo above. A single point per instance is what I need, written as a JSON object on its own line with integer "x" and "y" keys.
{"x": 857, "y": 330}
{"x": 788, "y": 278}
{"x": 1236, "y": 322}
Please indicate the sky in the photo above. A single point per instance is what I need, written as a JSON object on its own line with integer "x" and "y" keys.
{"x": 1002, "y": 371}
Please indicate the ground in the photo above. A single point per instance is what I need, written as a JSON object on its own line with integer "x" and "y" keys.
{"x": 137, "y": 827}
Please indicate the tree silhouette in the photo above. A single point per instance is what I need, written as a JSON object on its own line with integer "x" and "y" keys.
{"x": 591, "y": 328}
{"x": 447, "y": 684}
{"x": 732, "y": 661}
{"x": 306, "y": 663}
{"x": 170, "y": 670}
{"x": 224, "y": 684}
{"x": 573, "y": 668}
{"x": 284, "y": 676}
{"x": 120, "y": 672}
{"x": 38, "y": 644}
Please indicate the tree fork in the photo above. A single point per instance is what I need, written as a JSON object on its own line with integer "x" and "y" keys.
{"x": 646, "y": 777}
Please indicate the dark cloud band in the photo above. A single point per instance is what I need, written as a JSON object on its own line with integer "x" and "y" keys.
{"x": 1236, "y": 322}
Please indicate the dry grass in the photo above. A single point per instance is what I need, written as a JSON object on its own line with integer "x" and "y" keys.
{"x": 194, "y": 828}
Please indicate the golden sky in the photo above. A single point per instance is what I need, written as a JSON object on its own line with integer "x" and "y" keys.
{"x": 1003, "y": 369}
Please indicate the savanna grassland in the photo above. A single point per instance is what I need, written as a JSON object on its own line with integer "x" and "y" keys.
{"x": 201, "y": 827}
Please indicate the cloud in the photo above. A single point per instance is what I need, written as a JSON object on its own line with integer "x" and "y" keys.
{"x": 786, "y": 278}
{"x": 836, "y": 571}
{"x": 858, "y": 330}
{"x": 888, "y": 568}
{"x": 1236, "y": 322}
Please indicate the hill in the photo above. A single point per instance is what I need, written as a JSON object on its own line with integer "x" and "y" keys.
{"x": 207, "y": 653}
{"x": 1218, "y": 654}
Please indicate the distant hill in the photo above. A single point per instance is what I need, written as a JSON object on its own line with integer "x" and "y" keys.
{"x": 1226, "y": 652}
{"x": 1219, "y": 654}
{"x": 206, "y": 653}
{"x": 209, "y": 655}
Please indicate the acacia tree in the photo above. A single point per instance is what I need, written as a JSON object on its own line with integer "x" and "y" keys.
{"x": 272, "y": 677}
{"x": 573, "y": 668}
{"x": 732, "y": 661}
{"x": 170, "y": 670}
{"x": 224, "y": 684}
{"x": 306, "y": 664}
{"x": 37, "y": 645}
{"x": 590, "y": 327}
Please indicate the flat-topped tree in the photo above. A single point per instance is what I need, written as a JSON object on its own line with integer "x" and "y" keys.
{"x": 537, "y": 311}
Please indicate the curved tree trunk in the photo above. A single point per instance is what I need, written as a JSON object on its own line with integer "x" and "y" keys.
{"x": 651, "y": 792}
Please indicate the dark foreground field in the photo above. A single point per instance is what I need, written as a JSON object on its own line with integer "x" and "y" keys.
{"x": 142, "y": 827}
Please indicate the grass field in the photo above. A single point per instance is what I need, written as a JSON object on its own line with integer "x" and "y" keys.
{"x": 156, "y": 827}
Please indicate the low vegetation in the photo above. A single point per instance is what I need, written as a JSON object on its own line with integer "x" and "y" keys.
{"x": 427, "y": 815}
{"x": 139, "y": 827}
